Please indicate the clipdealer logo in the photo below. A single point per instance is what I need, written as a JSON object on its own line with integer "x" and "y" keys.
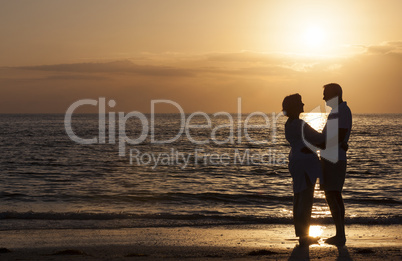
{"x": 331, "y": 132}
{"x": 239, "y": 131}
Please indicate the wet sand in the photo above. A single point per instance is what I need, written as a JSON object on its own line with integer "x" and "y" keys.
{"x": 239, "y": 242}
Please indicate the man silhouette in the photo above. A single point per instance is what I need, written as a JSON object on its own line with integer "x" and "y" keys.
{"x": 334, "y": 172}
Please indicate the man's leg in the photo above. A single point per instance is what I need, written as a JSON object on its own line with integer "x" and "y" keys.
{"x": 335, "y": 203}
{"x": 334, "y": 177}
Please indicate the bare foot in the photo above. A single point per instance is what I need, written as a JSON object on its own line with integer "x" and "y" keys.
{"x": 336, "y": 240}
{"x": 306, "y": 241}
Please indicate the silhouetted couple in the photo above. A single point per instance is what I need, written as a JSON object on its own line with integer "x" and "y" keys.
{"x": 305, "y": 166}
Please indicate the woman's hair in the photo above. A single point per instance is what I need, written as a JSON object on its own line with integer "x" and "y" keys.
{"x": 289, "y": 102}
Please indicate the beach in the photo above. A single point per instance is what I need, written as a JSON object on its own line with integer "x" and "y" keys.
{"x": 239, "y": 242}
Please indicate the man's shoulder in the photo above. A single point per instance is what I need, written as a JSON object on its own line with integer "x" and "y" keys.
{"x": 344, "y": 108}
{"x": 345, "y": 116}
{"x": 344, "y": 105}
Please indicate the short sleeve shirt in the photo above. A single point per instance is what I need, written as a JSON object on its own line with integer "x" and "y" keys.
{"x": 344, "y": 116}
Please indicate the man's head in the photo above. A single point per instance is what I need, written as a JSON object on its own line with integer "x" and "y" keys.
{"x": 331, "y": 91}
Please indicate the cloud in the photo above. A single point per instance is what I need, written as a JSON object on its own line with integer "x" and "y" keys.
{"x": 230, "y": 64}
{"x": 241, "y": 64}
{"x": 49, "y": 76}
{"x": 244, "y": 57}
{"x": 210, "y": 82}
{"x": 385, "y": 48}
{"x": 124, "y": 66}
{"x": 76, "y": 77}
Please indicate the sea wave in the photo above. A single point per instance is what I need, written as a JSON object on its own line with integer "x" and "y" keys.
{"x": 194, "y": 219}
{"x": 183, "y": 198}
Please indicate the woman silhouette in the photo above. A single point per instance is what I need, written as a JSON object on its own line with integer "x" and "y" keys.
{"x": 304, "y": 165}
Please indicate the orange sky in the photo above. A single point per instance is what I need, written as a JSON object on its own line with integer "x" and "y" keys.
{"x": 201, "y": 54}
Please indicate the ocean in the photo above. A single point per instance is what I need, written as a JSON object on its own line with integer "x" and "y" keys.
{"x": 212, "y": 173}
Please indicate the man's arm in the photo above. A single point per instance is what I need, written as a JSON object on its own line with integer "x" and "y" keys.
{"x": 342, "y": 135}
{"x": 342, "y": 132}
{"x": 312, "y": 136}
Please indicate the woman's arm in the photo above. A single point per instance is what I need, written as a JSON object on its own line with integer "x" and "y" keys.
{"x": 312, "y": 136}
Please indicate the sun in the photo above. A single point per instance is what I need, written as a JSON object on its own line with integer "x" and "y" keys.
{"x": 314, "y": 37}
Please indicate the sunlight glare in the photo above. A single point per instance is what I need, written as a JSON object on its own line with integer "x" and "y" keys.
{"x": 314, "y": 36}
{"x": 315, "y": 231}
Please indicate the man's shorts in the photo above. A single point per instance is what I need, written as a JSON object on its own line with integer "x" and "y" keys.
{"x": 333, "y": 175}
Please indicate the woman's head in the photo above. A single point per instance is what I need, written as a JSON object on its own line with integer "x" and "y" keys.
{"x": 292, "y": 105}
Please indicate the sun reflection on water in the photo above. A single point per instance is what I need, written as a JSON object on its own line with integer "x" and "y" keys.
{"x": 315, "y": 120}
{"x": 320, "y": 209}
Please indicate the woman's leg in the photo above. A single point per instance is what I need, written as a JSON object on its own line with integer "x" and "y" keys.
{"x": 302, "y": 207}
